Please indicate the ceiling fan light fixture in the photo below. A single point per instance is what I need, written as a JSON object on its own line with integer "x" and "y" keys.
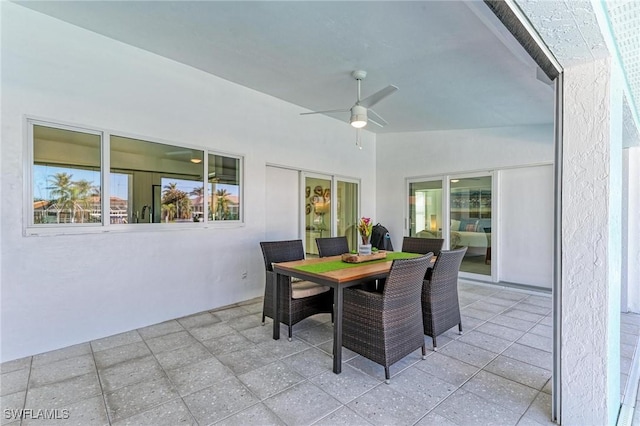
{"x": 358, "y": 116}
{"x": 196, "y": 160}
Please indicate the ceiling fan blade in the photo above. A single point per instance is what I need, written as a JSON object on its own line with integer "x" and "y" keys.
{"x": 376, "y": 119}
{"x": 371, "y": 100}
{"x": 325, "y": 112}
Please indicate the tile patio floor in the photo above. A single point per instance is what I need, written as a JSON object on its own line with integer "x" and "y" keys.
{"x": 222, "y": 367}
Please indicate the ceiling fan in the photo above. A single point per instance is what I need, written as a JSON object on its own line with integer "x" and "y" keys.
{"x": 361, "y": 111}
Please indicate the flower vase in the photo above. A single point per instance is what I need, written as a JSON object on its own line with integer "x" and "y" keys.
{"x": 364, "y": 249}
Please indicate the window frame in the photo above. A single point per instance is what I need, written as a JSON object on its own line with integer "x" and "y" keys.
{"x": 32, "y": 229}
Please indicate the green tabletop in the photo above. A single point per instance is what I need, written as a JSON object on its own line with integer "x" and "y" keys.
{"x": 334, "y": 265}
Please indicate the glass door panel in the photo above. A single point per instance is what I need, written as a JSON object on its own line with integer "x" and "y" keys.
{"x": 317, "y": 213}
{"x": 470, "y": 212}
{"x": 347, "y": 212}
{"x": 425, "y": 209}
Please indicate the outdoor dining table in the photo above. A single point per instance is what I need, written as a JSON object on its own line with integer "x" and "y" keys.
{"x": 333, "y": 272}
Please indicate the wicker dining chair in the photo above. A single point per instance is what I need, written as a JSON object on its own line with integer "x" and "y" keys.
{"x": 422, "y": 245}
{"x": 385, "y": 327}
{"x": 298, "y": 299}
{"x": 440, "y": 305}
{"x": 332, "y": 246}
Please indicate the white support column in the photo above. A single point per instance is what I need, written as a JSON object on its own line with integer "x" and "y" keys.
{"x": 591, "y": 244}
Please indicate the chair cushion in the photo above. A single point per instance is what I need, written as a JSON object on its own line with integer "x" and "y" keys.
{"x": 301, "y": 289}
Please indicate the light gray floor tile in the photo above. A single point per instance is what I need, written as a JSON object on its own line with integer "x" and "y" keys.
{"x": 470, "y": 311}
{"x": 131, "y": 400}
{"x": 302, "y": 404}
{"x": 530, "y": 355}
{"x": 627, "y": 350}
{"x": 230, "y": 314}
{"x": 61, "y": 394}
{"x": 468, "y": 409}
{"x": 283, "y": 348}
{"x": 501, "y": 331}
{"x": 314, "y": 335}
{"x": 198, "y": 320}
{"x": 397, "y": 408}
{"x": 514, "y": 323}
{"x": 486, "y": 306}
{"x": 170, "y": 413}
{"x": 212, "y": 331}
{"x": 116, "y": 340}
{"x": 468, "y": 353}
{"x": 547, "y": 387}
{"x": 243, "y": 361}
{"x": 61, "y": 370}
{"x": 12, "y": 402}
{"x": 470, "y": 323}
{"x": 534, "y": 309}
{"x": 60, "y": 354}
{"x": 501, "y": 391}
{"x": 88, "y": 412}
{"x": 15, "y": 381}
{"x": 485, "y": 341}
{"x": 448, "y": 369}
{"x": 169, "y": 342}
{"x": 271, "y": 379}
{"x": 536, "y": 341}
{"x": 257, "y": 414}
{"x": 425, "y": 389}
{"x": 520, "y": 372}
{"x": 343, "y": 417}
{"x": 128, "y": 373}
{"x": 119, "y": 354}
{"x": 540, "y": 410}
{"x": 245, "y": 322}
{"x": 347, "y": 385}
{"x": 310, "y": 363}
{"x": 229, "y": 343}
{"x": 522, "y": 314}
{"x": 198, "y": 376}
{"x": 161, "y": 329}
{"x": 433, "y": 419}
{"x": 16, "y": 364}
{"x": 347, "y": 354}
{"x": 183, "y": 356}
{"x": 220, "y": 401}
{"x": 543, "y": 330}
{"x": 544, "y": 301}
{"x": 494, "y": 300}
{"x": 548, "y": 321}
{"x": 263, "y": 333}
{"x": 376, "y": 370}
{"x": 511, "y": 295}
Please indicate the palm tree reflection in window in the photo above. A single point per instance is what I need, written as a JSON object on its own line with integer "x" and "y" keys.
{"x": 175, "y": 203}
{"x": 71, "y": 200}
{"x": 222, "y": 204}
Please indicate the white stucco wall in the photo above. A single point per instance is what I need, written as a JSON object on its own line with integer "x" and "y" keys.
{"x": 631, "y": 231}
{"x": 60, "y": 290}
{"x": 591, "y": 244}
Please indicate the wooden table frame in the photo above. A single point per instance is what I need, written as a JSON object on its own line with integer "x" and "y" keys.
{"x": 338, "y": 280}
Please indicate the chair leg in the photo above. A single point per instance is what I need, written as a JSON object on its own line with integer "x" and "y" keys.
{"x": 435, "y": 345}
{"x": 460, "y": 328}
{"x": 290, "y": 332}
{"x": 263, "y": 317}
{"x": 387, "y": 376}
{"x": 424, "y": 351}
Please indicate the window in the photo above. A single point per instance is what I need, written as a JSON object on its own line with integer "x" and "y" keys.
{"x": 65, "y": 176}
{"x": 148, "y": 182}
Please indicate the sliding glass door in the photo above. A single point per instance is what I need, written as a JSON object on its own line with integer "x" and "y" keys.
{"x": 347, "y": 211}
{"x": 470, "y": 221}
{"x": 458, "y": 210}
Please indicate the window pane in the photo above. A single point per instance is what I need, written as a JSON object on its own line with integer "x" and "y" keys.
{"x": 317, "y": 211}
{"x": 347, "y": 211}
{"x": 224, "y": 187}
{"x": 425, "y": 209}
{"x": 66, "y": 176}
{"x": 471, "y": 222}
{"x": 154, "y": 182}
